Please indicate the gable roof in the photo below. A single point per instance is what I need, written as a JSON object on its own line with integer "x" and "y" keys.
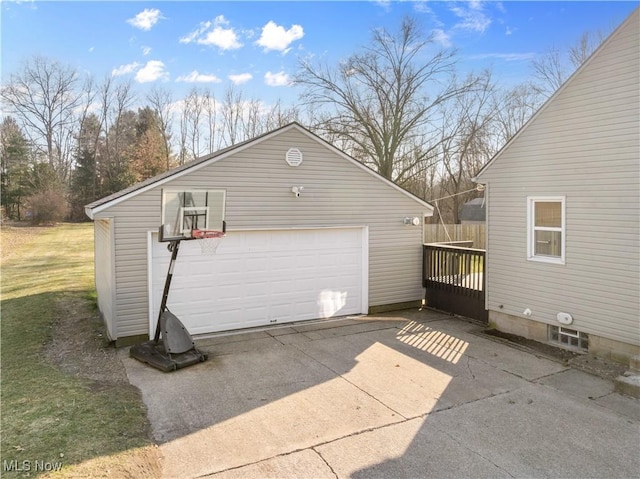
{"x": 122, "y": 195}
{"x": 632, "y": 18}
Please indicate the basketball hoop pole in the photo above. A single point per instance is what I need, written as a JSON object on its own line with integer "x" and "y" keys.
{"x": 173, "y": 246}
{"x": 177, "y": 349}
{"x": 186, "y": 215}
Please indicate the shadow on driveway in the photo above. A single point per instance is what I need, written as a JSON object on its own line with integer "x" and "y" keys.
{"x": 407, "y": 394}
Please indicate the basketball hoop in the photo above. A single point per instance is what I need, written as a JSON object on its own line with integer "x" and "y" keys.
{"x": 209, "y": 240}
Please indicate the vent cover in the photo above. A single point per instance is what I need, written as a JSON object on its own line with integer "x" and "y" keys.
{"x": 294, "y": 157}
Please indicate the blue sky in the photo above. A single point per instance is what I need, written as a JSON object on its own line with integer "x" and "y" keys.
{"x": 257, "y": 45}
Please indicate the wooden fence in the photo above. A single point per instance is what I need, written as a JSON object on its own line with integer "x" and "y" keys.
{"x": 437, "y": 233}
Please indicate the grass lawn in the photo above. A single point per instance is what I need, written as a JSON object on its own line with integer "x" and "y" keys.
{"x": 92, "y": 428}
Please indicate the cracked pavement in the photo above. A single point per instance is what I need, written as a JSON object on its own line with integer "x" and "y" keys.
{"x": 403, "y": 394}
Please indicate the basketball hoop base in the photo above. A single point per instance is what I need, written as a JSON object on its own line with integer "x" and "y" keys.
{"x": 155, "y": 355}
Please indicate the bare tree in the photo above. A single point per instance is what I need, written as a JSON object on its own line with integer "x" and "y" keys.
{"x": 584, "y": 47}
{"x": 183, "y": 154}
{"x": 513, "y": 108}
{"x": 277, "y": 116}
{"x": 232, "y": 112}
{"x": 383, "y": 100}
{"x": 44, "y": 97}
{"x": 467, "y": 142}
{"x": 119, "y": 132}
{"x": 252, "y": 119}
{"x": 555, "y": 66}
{"x": 161, "y": 102}
{"x": 211, "y": 111}
{"x": 550, "y": 71}
{"x": 194, "y": 108}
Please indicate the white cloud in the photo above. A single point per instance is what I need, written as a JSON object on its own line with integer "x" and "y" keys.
{"x": 421, "y": 6}
{"x": 146, "y": 50}
{"x": 91, "y": 49}
{"x": 441, "y": 37}
{"x": 195, "y": 77}
{"x": 152, "y": 71}
{"x": 508, "y": 57}
{"x": 240, "y": 78}
{"x": 193, "y": 36}
{"x": 146, "y": 19}
{"x": 509, "y": 31}
{"x": 125, "y": 69}
{"x": 277, "y": 79}
{"x": 275, "y": 37}
{"x": 218, "y": 36}
{"x": 472, "y": 18}
{"x": 384, "y": 4}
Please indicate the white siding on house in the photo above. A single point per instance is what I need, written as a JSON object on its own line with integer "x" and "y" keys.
{"x": 104, "y": 277}
{"x": 258, "y": 182}
{"x": 584, "y": 145}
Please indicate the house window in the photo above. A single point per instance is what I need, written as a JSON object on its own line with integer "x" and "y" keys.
{"x": 569, "y": 338}
{"x": 546, "y": 229}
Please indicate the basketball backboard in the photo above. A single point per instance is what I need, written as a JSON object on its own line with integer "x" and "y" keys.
{"x": 185, "y": 210}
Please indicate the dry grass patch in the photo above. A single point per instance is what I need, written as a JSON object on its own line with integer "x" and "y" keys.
{"x": 65, "y": 398}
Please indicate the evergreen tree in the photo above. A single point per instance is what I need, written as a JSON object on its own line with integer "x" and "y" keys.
{"x": 14, "y": 169}
{"x": 148, "y": 155}
{"x": 116, "y": 170}
{"x": 85, "y": 184}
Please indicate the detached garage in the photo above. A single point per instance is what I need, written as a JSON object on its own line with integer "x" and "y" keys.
{"x": 311, "y": 233}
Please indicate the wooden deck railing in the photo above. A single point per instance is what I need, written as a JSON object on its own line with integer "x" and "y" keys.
{"x": 454, "y": 279}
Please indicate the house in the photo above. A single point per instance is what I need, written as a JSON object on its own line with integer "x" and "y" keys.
{"x": 311, "y": 233}
{"x": 563, "y": 218}
{"x": 473, "y": 212}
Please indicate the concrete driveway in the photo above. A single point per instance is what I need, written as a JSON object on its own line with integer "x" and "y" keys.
{"x": 408, "y": 394}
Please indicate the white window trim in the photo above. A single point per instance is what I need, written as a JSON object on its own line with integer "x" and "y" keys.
{"x": 531, "y": 200}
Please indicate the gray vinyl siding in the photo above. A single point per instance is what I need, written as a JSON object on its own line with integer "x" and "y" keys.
{"x": 104, "y": 276}
{"x": 258, "y": 182}
{"x": 584, "y": 145}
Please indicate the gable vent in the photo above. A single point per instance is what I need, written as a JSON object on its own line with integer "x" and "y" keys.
{"x": 294, "y": 157}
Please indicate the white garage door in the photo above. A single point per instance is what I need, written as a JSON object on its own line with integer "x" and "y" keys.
{"x": 263, "y": 277}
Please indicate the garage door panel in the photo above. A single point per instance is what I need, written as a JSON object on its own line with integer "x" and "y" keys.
{"x": 303, "y": 307}
{"x": 307, "y": 260}
{"x": 226, "y": 291}
{"x": 257, "y": 278}
{"x": 279, "y": 310}
{"x": 256, "y": 265}
{"x": 256, "y": 314}
{"x": 306, "y": 284}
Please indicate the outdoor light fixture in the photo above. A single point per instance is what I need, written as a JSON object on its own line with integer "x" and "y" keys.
{"x": 297, "y": 190}
{"x": 415, "y": 221}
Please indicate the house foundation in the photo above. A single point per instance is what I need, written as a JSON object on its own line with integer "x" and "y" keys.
{"x": 537, "y": 331}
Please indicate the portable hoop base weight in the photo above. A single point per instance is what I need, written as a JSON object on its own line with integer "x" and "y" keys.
{"x": 155, "y": 355}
